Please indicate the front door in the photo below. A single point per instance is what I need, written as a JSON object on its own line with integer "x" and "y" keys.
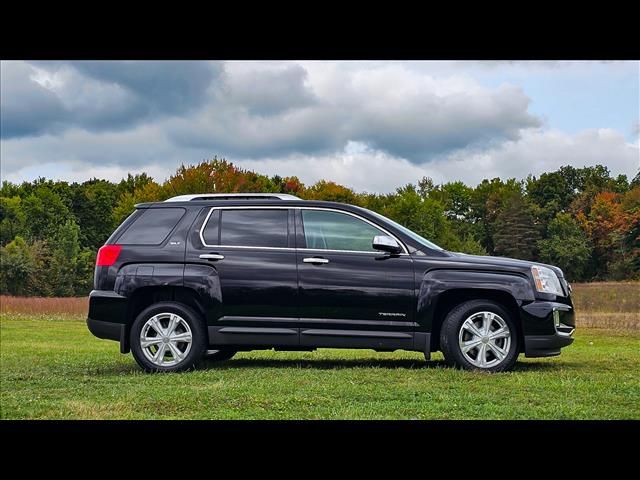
{"x": 245, "y": 259}
{"x": 349, "y": 294}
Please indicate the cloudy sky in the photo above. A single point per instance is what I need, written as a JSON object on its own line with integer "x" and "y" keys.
{"x": 370, "y": 125}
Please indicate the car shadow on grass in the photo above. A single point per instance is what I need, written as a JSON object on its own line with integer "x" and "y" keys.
{"x": 322, "y": 364}
{"x": 337, "y": 364}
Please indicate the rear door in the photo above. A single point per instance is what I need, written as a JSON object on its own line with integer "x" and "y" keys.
{"x": 244, "y": 258}
{"x": 350, "y": 294}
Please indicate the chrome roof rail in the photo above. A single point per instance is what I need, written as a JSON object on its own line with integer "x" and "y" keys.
{"x": 232, "y": 196}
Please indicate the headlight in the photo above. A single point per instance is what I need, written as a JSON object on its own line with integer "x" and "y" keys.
{"x": 546, "y": 280}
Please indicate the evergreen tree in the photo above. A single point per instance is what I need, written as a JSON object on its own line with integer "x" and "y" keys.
{"x": 516, "y": 234}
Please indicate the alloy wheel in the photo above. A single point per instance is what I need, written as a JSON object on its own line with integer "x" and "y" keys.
{"x": 166, "y": 339}
{"x": 484, "y": 339}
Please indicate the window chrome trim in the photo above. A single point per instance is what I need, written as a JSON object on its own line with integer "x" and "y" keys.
{"x": 280, "y": 207}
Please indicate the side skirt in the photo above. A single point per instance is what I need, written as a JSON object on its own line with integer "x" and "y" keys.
{"x": 306, "y": 339}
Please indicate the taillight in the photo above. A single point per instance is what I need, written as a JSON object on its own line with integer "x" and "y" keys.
{"x": 107, "y": 255}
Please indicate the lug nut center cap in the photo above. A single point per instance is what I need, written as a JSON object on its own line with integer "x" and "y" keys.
{"x": 485, "y": 339}
{"x": 165, "y": 339}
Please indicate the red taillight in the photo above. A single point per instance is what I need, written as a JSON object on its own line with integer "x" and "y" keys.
{"x": 107, "y": 255}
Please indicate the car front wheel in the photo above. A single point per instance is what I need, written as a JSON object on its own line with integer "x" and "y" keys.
{"x": 168, "y": 337}
{"x": 480, "y": 335}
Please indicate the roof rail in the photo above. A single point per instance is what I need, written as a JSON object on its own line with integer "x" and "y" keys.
{"x": 232, "y": 196}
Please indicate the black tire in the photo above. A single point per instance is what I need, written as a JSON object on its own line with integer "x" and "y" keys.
{"x": 449, "y": 336}
{"x": 219, "y": 355}
{"x": 198, "y": 334}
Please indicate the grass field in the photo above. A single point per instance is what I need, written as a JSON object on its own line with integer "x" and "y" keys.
{"x": 52, "y": 367}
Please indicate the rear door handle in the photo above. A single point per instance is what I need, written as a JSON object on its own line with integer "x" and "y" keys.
{"x": 212, "y": 256}
{"x": 315, "y": 260}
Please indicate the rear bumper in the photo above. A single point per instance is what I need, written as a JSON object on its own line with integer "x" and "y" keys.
{"x": 106, "y": 330}
{"x": 107, "y": 317}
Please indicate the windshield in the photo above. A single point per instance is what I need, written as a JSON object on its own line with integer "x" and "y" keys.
{"x": 405, "y": 230}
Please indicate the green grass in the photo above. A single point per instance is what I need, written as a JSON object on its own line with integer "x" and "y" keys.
{"x": 53, "y": 368}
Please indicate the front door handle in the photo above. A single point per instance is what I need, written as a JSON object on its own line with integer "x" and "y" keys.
{"x": 315, "y": 260}
{"x": 212, "y": 256}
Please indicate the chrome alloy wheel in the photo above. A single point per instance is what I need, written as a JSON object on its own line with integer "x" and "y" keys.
{"x": 484, "y": 339}
{"x": 166, "y": 339}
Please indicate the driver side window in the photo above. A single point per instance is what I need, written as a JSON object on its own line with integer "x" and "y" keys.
{"x": 328, "y": 230}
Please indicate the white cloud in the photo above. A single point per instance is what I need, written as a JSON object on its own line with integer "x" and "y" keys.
{"x": 541, "y": 151}
{"x": 112, "y": 155}
{"x": 536, "y": 152}
{"x": 370, "y": 125}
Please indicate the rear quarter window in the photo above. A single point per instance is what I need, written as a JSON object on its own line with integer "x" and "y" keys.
{"x": 152, "y": 227}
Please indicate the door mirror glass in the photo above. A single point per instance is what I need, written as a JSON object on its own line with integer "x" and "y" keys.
{"x": 386, "y": 244}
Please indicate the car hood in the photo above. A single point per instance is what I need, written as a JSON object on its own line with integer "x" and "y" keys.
{"x": 502, "y": 261}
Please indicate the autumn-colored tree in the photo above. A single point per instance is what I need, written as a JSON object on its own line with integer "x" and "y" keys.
{"x": 292, "y": 185}
{"x": 331, "y": 192}
{"x": 216, "y": 176}
{"x": 602, "y": 220}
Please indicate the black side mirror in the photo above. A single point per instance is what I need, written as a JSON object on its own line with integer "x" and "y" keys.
{"x": 386, "y": 244}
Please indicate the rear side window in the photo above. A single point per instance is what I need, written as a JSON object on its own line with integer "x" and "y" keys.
{"x": 152, "y": 227}
{"x": 248, "y": 228}
{"x": 211, "y": 232}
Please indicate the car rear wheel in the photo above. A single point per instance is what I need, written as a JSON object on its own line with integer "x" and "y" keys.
{"x": 480, "y": 335}
{"x": 168, "y": 337}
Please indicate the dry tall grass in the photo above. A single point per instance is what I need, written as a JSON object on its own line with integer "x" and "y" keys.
{"x": 69, "y": 306}
{"x": 612, "y": 305}
{"x": 607, "y": 296}
{"x": 607, "y": 305}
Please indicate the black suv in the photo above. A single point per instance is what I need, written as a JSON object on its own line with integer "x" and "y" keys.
{"x": 210, "y": 275}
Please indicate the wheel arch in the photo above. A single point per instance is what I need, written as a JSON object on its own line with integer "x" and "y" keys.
{"x": 144, "y": 297}
{"x": 449, "y": 299}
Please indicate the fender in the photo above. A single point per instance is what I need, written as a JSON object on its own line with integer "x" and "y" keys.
{"x": 133, "y": 276}
{"x": 203, "y": 279}
{"x": 434, "y": 283}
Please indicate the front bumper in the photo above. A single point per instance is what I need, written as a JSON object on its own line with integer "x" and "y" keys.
{"x": 550, "y": 327}
{"x": 545, "y": 345}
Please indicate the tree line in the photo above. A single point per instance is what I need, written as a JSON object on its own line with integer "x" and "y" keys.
{"x": 582, "y": 219}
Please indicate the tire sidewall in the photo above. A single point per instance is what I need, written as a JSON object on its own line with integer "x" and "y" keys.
{"x": 198, "y": 333}
{"x": 453, "y": 324}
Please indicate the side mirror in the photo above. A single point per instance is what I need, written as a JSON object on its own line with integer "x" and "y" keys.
{"x": 386, "y": 244}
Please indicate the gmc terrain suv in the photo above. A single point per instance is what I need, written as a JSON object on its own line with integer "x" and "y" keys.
{"x": 212, "y": 274}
